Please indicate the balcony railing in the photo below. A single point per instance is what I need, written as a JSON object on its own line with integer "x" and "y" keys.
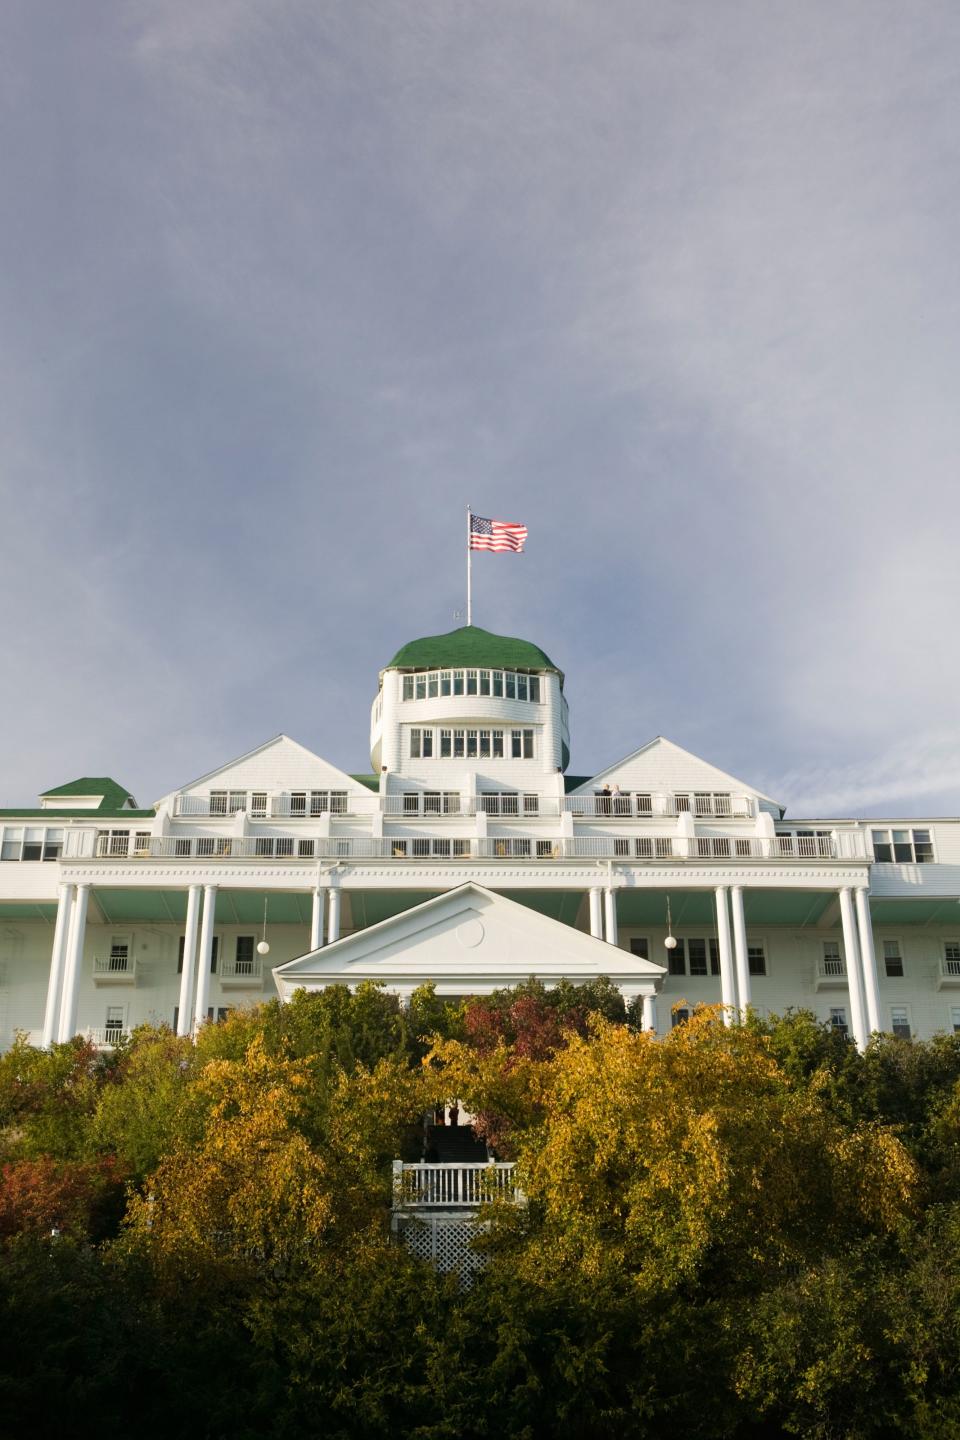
{"x": 286, "y": 849}
{"x": 114, "y": 969}
{"x": 642, "y": 805}
{"x": 107, "y": 1037}
{"x": 432, "y": 1187}
{"x": 241, "y": 971}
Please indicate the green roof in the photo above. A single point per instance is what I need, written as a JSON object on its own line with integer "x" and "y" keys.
{"x": 372, "y": 782}
{"x": 472, "y": 646}
{"x": 113, "y": 796}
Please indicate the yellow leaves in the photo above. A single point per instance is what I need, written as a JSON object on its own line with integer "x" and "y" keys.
{"x": 652, "y": 1158}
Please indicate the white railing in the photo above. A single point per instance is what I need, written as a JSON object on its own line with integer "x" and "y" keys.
{"x": 106, "y": 1037}
{"x": 951, "y": 968}
{"x": 241, "y": 970}
{"x": 300, "y": 807}
{"x": 831, "y": 967}
{"x": 285, "y": 849}
{"x": 440, "y": 1186}
{"x": 118, "y": 965}
{"x": 434, "y": 803}
{"x": 643, "y": 805}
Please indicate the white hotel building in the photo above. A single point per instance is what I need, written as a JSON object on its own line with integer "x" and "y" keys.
{"x": 470, "y": 857}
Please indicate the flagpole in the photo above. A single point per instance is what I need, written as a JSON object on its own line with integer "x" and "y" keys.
{"x": 469, "y": 573}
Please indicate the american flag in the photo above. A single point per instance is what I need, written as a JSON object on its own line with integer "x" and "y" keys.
{"x": 496, "y": 534}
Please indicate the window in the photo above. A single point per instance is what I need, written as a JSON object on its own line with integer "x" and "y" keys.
{"x": 714, "y": 957}
{"x": 756, "y": 960}
{"x": 411, "y": 803}
{"x": 428, "y": 744}
{"x": 214, "y": 952}
{"x": 484, "y": 682}
{"x": 471, "y": 744}
{"x": 498, "y": 684}
{"x": 12, "y": 844}
{"x": 521, "y": 687}
{"x": 237, "y": 801}
{"x": 433, "y": 686}
{"x": 521, "y": 744}
{"x": 114, "y": 1026}
{"x": 955, "y": 1019}
{"x": 119, "y": 962}
{"x": 298, "y": 802}
{"x": 497, "y": 738}
{"x": 258, "y": 803}
{"x": 832, "y": 961}
{"x": 415, "y": 744}
{"x": 535, "y": 688}
{"x": 900, "y": 1021}
{"x": 471, "y": 682}
{"x": 141, "y": 843}
{"x": 420, "y": 688}
{"x": 676, "y": 961}
{"x": 951, "y": 957}
{"x": 644, "y": 804}
{"x": 458, "y": 744}
{"x": 640, "y": 945}
{"x": 547, "y": 850}
{"x": 682, "y": 803}
{"x": 484, "y": 744}
{"x": 180, "y": 949}
{"x": 218, "y": 1014}
{"x": 181, "y": 848}
{"x": 902, "y": 847}
{"x": 218, "y": 802}
{"x": 284, "y": 846}
{"x": 643, "y": 848}
{"x": 244, "y": 961}
{"x": 263, "y": 845}
{"x": 408, "y": 687}
{"x": 892, "y": 958}
{"x": 838, "y": 1020}
{"x": 509, "y": 686}
{"x": 663, "y": 846}
{"x": 458, "y": 682}
{"x": 697, "y": 956}
{"x": 621, "y": 847}
{"x": 305, "y": 849}
{"x": 679, "y": 1016}
{"x": 446, "y": 744}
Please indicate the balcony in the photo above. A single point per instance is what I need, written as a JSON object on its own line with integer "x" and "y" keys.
{"x": 241, "y": 973}
{"x": 651, "y": 847}
{"x": 831, "y": 974}
{"x": 106, "y": 1038}
{"x": 114, "y": 970}
{"x": 453, "y": 1187}
{"x": 641, "y": 806}
{"x": 949, "y": 976}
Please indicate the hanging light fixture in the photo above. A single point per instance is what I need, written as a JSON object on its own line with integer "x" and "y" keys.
{"x": 671, "y": 941}
{"x": 263, "y": 948}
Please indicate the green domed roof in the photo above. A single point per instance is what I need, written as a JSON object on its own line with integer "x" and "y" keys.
{"x": 474, "y": 647}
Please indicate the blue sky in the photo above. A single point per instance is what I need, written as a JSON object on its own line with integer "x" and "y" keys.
{"x": 285, "y": 285}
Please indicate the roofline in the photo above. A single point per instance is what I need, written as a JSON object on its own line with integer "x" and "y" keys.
{"x": 443, "y": 898}
{"x": 248, "y": 755}
{"x": 665, "y": 739}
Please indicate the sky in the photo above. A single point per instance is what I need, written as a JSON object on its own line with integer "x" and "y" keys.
{"x": 286, "y": 285}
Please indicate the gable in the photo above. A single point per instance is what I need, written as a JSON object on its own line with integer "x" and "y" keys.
{"x": 467, "y": 941}
{"x": 661, "y": 767}
{"x": 280, "y": 765}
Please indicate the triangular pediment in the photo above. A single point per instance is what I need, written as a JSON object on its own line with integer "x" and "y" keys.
{"x": 468, "y": 941}
{"x": 279, "y": 764}
{"x": 662, "y": 767}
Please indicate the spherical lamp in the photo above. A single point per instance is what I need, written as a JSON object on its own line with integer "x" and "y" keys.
{"x": 671, "y": 941}
{"x": 263, "y": 947}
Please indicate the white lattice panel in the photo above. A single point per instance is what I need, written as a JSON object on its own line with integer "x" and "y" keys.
{"x": 444, "y": 1242}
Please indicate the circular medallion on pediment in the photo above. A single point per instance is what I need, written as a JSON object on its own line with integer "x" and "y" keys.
{"x": 470, "y": 933}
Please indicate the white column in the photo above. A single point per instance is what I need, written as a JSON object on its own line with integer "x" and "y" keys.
{"x": 610, "y": 899}
{"x": 333, "y": 915}
{"x": 58, "y": 956}
{"x": 596, "y": 913}
{"x": 185, "y": 1010}
{"x": 206, "y": 955}
{"x": 650, "y": 1012}
{"x": 868, "y": 959}
{"x": 316, "y": 920}
{"x": 740, "y": 948}
{"x": 851, "y": 950}
{"x": 74, "y": 964}
{"x": 728, "y": 984}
